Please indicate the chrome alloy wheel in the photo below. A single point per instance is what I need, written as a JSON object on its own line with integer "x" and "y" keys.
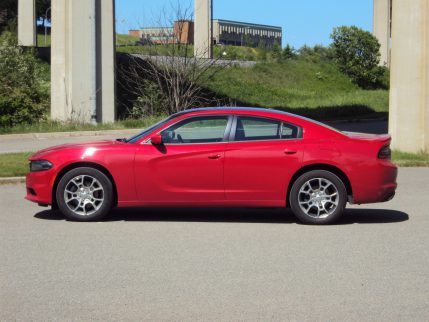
{"x": 318, "y": 197}
{"x": 84, "y": 195}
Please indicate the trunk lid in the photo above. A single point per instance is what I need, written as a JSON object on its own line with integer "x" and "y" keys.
{"x": 369, "y": 137}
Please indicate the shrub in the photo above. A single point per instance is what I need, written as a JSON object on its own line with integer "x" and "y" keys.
{"x": 152, "y": 101}
{"x": 316, "y": 53}
{"x": 24, "y": 89}
{"x": 357, "y": 53}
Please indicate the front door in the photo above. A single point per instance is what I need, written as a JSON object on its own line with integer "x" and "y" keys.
{"x": 188, "y": 167}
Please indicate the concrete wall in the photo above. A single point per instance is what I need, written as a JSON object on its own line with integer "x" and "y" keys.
{"x": 409, "y": 83}
{"x": 27, "y": 23}
{"x": 203, "y": 42}
{"x": 106, "y": 85}
{"x": 73, "y": 64}
{"x": 381, "y": 28}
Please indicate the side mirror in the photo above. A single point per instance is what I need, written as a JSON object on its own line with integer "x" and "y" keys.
{"x": 156, "y": 139}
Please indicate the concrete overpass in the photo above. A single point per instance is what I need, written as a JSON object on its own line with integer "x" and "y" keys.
{"x": 83, "y": 60}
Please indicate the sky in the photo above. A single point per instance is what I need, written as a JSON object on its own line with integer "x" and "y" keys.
{"x": 304, "y": 22}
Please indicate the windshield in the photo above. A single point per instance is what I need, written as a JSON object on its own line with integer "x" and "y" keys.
{"x": 145, "y": 132}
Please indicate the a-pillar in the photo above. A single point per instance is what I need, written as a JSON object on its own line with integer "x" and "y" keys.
{"x": 83, "y": 60}
{"x": 381, "y": 28}
{"x": 27, "y": 23}
{"x": 203, "y": 33}
{"x": 409, "y": 76}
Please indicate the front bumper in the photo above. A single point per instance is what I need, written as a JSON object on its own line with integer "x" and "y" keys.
{"x": 39, "y": 186}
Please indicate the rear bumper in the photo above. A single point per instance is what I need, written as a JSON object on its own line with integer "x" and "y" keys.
{"x": 387, "y": 192}
{"x": 379, "y": 185}
{"x": 39, "y": 187}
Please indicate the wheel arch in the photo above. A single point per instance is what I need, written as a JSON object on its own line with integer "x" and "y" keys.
{"x": 321, "y": 166}
{"x": 75, "y": 165}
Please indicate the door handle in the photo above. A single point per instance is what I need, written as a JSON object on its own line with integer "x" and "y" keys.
{"x": 289, "y": 152}
{"x": 214, "y": 156}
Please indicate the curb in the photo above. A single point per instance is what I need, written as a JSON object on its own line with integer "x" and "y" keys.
{"x": 12, "y": 180}
{"x": 125, "y": 132}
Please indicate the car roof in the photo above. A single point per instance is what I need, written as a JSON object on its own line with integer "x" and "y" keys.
{"x": 235, "y": 109}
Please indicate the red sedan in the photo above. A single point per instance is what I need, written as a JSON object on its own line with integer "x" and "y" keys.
{"x": 218, "y": 157}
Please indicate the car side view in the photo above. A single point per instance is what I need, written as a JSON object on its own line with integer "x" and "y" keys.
{"x": 218, "y": 157}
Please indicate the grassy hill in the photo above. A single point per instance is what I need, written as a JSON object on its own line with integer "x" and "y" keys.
{"x": 313, "y": 88}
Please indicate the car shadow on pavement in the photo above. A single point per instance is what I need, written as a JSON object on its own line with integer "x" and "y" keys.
{"x": 236, "y": 215}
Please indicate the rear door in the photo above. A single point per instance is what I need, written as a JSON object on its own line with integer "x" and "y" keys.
{"x": 262, "y": 156}
{"x": 188, "y": 167}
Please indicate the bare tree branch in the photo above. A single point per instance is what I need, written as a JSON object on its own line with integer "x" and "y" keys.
{"x": 170, "y": 75}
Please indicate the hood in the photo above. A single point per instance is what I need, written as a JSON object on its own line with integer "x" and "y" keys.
{"x": 71, "y": 146}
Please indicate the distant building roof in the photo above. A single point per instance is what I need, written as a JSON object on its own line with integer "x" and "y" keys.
{"x": 239, "y": 23}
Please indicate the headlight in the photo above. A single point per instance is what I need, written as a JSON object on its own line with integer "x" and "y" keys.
{"x": 40, "y": 165}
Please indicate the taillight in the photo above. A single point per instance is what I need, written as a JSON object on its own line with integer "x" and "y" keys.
{"x": 385, "y": 153}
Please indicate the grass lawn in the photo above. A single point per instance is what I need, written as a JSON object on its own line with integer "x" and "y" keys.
{"x": 404, "y": 159}
{"x": 41, "y": 40}
{"x": 124, "y": 39}
{"x": 16, "y": 164}
{"x": 226, "y": 52}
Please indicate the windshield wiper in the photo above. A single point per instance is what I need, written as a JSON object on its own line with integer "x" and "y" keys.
{"x": 125, "y": 140}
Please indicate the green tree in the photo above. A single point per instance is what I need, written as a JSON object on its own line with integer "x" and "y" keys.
{"x": 357, "y": 53}
{"x": 12, "y": 7}
{"x": 288, "y": 52}
{"x": 276, "y": 52}
{"x": 24, "y": 86}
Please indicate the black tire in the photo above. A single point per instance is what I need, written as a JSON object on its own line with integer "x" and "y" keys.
{"x": 308, "y": 210}
{"x": 95, "y": 209}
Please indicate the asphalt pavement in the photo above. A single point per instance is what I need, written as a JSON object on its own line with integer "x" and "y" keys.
{"x": 217, "y": 264}
{"x": 35, "y": 142}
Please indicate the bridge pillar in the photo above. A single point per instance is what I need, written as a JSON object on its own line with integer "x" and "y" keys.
{"x": 409, "y": 76}
{"x": 203, "y": 33}
{"x": 27, "y": 23}
{"x": 381, "y": 28}
{"x": 83, "y": 60}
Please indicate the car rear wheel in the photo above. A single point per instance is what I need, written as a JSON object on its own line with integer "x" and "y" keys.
{"x": 84, "y": 194}
{"x": 318, "y": 197}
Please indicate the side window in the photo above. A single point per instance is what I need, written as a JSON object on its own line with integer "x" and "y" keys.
{"x": 290, "y": 131}
{"x": 206, "y": 129}
{"x": 255, "y": 128}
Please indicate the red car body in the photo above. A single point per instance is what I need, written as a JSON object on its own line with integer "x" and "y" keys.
{"x": 228, "y": 173}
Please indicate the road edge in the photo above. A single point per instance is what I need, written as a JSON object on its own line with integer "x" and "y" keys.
{"x": 11, "y": 180}
{"x": 48, "y": 135}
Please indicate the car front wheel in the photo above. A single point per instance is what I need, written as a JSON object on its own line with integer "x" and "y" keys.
{"x": 84, "y": 194}
{"x": 318, "y": 197}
